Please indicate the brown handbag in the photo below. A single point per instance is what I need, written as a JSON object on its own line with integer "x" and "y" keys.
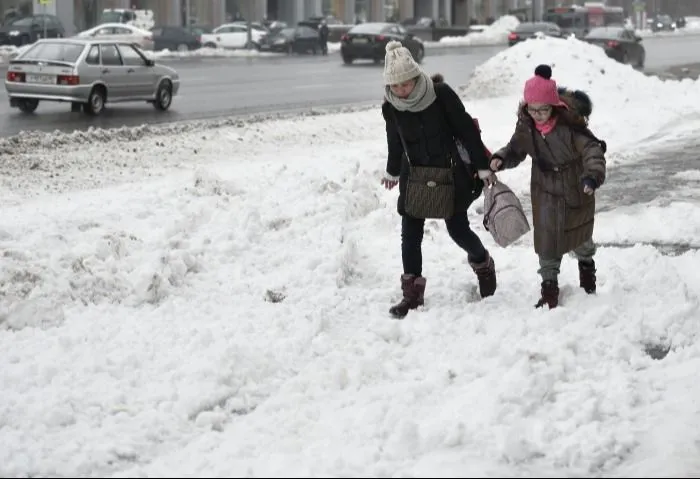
{"x": 430, "y": 191}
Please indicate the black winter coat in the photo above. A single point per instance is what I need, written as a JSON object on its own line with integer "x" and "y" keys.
{"x": 429, "y": 136}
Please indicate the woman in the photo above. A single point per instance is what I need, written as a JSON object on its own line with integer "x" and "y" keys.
{"x": 429, "y": 116}
{"x": 568, "y": 166}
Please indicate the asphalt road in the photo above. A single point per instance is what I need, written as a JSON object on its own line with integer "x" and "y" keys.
{"x": 232, "y": 86}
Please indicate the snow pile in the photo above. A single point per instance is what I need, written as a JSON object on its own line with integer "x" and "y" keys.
{"x": 494, "y": 34}
{"x": 620, "y": 93}
{"x": 205, "y": 52}
{"x": 226, "y": 316}
{"x": 207, "y": 306}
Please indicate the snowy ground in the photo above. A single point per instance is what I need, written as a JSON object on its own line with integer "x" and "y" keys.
{"x": 214, "y": 303}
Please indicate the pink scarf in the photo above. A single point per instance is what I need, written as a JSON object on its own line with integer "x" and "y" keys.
{"x": 546, "y": 127}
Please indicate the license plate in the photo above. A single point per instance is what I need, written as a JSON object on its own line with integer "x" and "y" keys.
{"x": 360, "y": 40}
{"x": 43, "y": 79}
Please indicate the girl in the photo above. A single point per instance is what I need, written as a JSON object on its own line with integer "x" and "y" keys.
{"x": 568, "y": 165}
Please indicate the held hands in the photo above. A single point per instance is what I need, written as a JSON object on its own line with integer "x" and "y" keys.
{"x": 389, "y": 181}
{"x": 488, "y": 177}
{"x": 496, "y": 164}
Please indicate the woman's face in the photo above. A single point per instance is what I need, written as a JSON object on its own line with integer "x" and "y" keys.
{"x": 402, "y": 90}
{"x": 540, "y": 112}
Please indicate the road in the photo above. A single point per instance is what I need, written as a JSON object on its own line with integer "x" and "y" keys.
{"x": 225, "y": 87}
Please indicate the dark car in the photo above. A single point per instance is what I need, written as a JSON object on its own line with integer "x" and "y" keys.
{"x": 23, "y": 31}
{"x": 531, "y": 29}
{"x": 661, "y": 23}
{"x": 298, "y": 39}
{"x": 368, "y": 41}
{"x": 174, "y": 39}
{"x": 619, "y": 44}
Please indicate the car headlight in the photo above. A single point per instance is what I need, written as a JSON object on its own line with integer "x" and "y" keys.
{"x": 14, "y": 33}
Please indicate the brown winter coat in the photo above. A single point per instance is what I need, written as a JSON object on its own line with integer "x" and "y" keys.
{"x": 562, "y": 213}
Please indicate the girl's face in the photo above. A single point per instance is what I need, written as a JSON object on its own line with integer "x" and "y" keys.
{"x": 540, "y": 112}
{"x": 402, "y": 90}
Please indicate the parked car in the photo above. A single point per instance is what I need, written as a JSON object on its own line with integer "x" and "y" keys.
{"x": 531, "y": 29}
{"x": 121, "y": 32}
{"x": 88, "y": 73}
{"x": 368, "y": 41}
{"x": 22, "y": 31}
{"x": 619, "y": 43}
{"x": 178, "y": 39}
{"x": 231, "y": 35}
{"x": 291, "y": 40}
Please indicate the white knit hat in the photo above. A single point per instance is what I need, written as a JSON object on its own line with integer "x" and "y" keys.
{"x": 399, "y": 65}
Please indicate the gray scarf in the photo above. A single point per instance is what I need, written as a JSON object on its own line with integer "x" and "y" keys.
{"x": 422, "y": 96}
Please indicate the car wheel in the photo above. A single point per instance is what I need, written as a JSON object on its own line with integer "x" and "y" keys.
{"x": 420, "y": 54}
{"x": 96, "y": 101}
{"x": 28, "y": 106}
{"x": 640, "y": 63}
{"x": 210, "y": 45}
{"x": 348, "y": 60}
{"x": 252, "y": 46}
{"x": 182, "y": 47}
{"x": 625, "y": 58}
{"x": 164, "y": 96}
{"x": 290, "y": 49}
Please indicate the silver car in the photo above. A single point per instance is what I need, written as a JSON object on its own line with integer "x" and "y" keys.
{"x": 88, "y": 73}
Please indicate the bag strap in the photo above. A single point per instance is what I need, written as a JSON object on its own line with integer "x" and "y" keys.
{"x": 398, "y": 129}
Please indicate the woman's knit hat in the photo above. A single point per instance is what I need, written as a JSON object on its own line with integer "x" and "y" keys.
{"x": 399, "y": 65}
{"x": 541, "y": 88}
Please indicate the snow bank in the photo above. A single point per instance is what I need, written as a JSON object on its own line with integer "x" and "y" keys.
{"x": 208, "y": 307}
{"x": 212, "y": 53}
{"x": 494, "y": 34}
{"x": 621, "y": 94}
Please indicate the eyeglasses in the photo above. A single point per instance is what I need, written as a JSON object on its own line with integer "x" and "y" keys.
{"x": 541, "y": 110}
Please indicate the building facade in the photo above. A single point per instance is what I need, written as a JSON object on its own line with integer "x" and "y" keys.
{"x": 78, "y": 15}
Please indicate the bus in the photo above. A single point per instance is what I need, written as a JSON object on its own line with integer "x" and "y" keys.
{"x": 578, "y": 20}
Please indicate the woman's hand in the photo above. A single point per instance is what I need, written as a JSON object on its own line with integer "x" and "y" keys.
{"x": 389, "y": 181}
{"x": 496, "y": 164}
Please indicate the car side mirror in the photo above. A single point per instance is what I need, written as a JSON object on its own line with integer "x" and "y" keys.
{"x": 150, "y": 63}
{"x": 637, "y": 39}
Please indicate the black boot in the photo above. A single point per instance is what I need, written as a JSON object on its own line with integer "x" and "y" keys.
{"x": 586, "y": 276}
{"x": 550, "y": 294}
{"x": 413, "y": 288}
{"x": 486, "y": 274}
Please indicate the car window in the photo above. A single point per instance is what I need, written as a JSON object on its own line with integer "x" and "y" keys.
{"x": 131, "y": 57}
{"x": 93, "y": 56}
{"x": 64, "y": 52}
{"x": 122, "y": 31}
{"x": 110, "y": 55}
{"x": 105, "y": 31}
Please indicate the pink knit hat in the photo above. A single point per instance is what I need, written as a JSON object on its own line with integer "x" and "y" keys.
{"x": 541, "y": 88}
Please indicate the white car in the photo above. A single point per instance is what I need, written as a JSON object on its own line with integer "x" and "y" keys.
{"x": 231, "y": 35}
{"x": 120, "y": 32}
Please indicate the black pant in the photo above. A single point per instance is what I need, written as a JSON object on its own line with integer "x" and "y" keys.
{"x": 457, "y": 227}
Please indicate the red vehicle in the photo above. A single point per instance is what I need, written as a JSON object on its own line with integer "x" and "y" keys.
{"x": 579, "y": 20}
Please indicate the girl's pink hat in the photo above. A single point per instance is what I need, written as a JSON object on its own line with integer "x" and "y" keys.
{"x": 541, "y": 88}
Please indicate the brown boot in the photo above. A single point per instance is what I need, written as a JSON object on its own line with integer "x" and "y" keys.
{"x": 586, "y": 275}
{"x": 550, "y": 294}
{"x": 413, "y": 288}
{"x": 486, "y": 274}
